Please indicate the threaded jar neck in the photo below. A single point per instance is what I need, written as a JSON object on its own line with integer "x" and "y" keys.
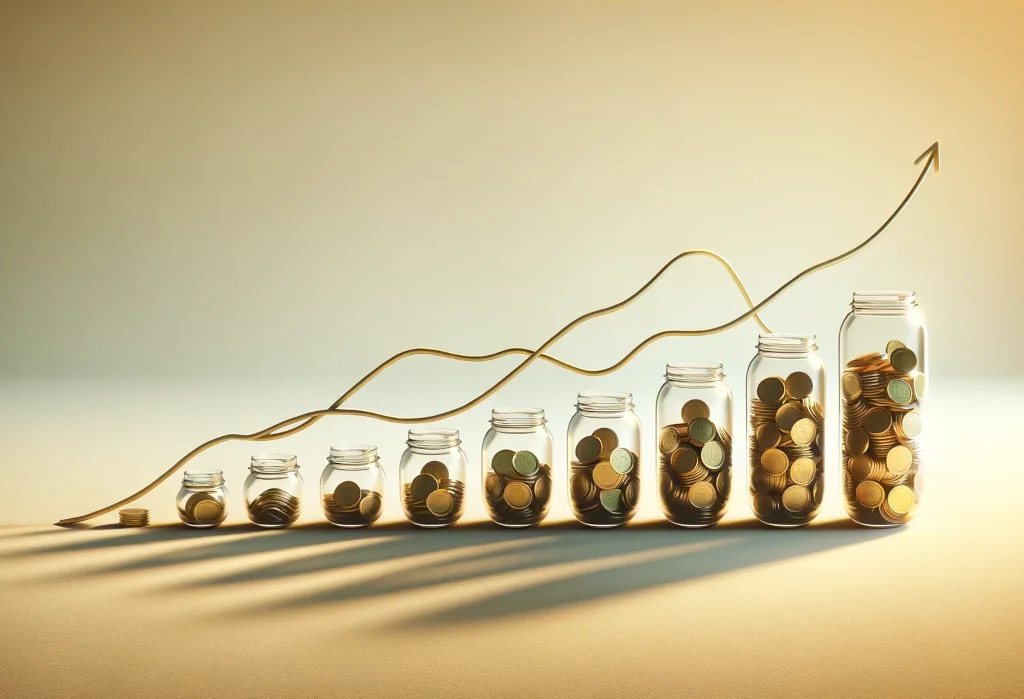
{"x": 517, "y": 419}
{"x": 694, "y": 374}
{"x": 602, "y": 404}
{"x": 433, "y": 440}
{"x": 883, "y": 303}
{"x": 203, "y": 479}
{"x": 273, "y": 464}
{"x": 786, "y": 345}
{"x": 352, "y": 455}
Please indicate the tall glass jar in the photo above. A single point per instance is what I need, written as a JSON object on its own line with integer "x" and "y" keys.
{"x": 352, "y": 486}
{"x": 883, "y": 349}
{"x": 516, "y": 457}
{"x": 604, "y": 457}
{"x": 433, "y": 477}
{"x": 694, "y": 414}
{"x": 786, "y": 429}
{"x": 202, "y": 501}
{"x": 273, "y": 490}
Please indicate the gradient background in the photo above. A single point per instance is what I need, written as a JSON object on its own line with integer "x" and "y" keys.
{"x": 215, "y": 215}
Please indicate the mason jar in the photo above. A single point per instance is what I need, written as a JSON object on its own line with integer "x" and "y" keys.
{"x": 604, "y": 459}
{"x": 883, "y": 352}
{"x": 432, "y": 473}
{"x": 202, "y": 501}
{"x": 786, "y": 429}
{"x": 515, "y": 458}
{"x": 694, "y": 416}
{"x": 273, "y": 490}
{"x": 352, "y": 486}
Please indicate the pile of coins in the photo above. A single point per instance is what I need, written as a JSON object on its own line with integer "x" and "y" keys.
{"x": 203, "y": 509}
{"x": 348, "y": 505}
{"x": 133, "y": 517}
{"x": 787, "y": 438}
{"x": 517, "y": 490}
{"x": 433, "y": 499}
{"x": 881, "y": 424}
{"x": 695, "y": 472}
{"x": 604, "y": 480}
{"x": 274, "y": 507}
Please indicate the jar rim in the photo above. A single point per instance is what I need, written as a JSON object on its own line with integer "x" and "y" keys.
{"x": 355, "y": 453}
{"x": 604, "y": 401}
{"x": 518, "y": 417}
{"x": 694, "y": 372}
{"x": 787, "y": 343}
{"x": 883, "y": 301}
{"x": 202, "y": 478}
{"x": 434, "y": 438}
{"x": 273, "y": 463}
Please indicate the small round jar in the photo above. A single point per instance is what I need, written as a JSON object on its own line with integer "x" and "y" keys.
{"x": 694, "y": 414}
{"x": 516, "y": 457}
{"x": 352, "y": 486}
{"x": 883, "y": 352}
{"x": 432, "y": 474}
{"x": 786, "y": 429}
{"x": 273, "y": 490}
{"x": 604, "y": 459}
{"x": 203, "y": 499}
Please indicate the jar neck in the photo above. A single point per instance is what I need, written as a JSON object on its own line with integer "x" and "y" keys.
{"x": 346, "y": 455}
{"x": 433, "y": 441}
{"x": 203, "y": 479}
{"x": 883, "y": 303}
{"x": 605, "y": 405}
{"x": 517, "y": 419}
{"x": 273, "y": 464}
{"x": 694, "y": 375}
{"x": 786, "y": 345}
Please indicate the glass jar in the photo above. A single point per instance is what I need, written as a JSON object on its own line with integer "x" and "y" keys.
{"x": 273, "y": 490}
{"x": 352, "y": 486}
{"x": 786, "y": 429}
{"x": 433, "y": 477}
{"x": 202, "y": 501}
{"x": 883, "y": 349}
{"x": 515, "y": 458}
{"x": 604, "y": 457}
{"x": 694, "y": 415}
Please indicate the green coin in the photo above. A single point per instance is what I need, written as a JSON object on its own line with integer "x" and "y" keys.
{"x": 900, "y": 391}
{"x": 611, "y": 500}
{"x": 621, "y": 461}
{"x": 588, "y": 449}
{"x": 702, "y": 430}
{"x": 903, "y": 360}
{"x": 771, "y": 390}
{"x": 712, "y": 455}
{"x": 502, "y": 462}
{"x": 525, "y": 463}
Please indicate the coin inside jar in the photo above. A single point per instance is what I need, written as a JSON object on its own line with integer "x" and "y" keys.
{"x": 712, "y": 455}
{"x": 436, "y": 469}
{"x": 702, "y": 430}
{"x": 899, "y": 392}
{"x": 804, "y": 431}
{"x": 799, "y": 385}
{"x": 347, "y": 494}
{"x": 899, "y": 459}
{"x": 796, "y": 498}
{"x": 857, "y": 441}
{"x": 877, "y": 421}
{"x": 611, "y": 500}
{"x": 802, "y": 471}
{"x": 207, "y": 511}
{"x": 694, "y": 409}
{"x": 525, "y": 463}
{"x": 870, "y": 493}
{"x": 771, "y": 390}
{"x": 851, "y": 385}
{"x": 588, "y": 449}
{"x": 901, "y": 500}
{"x": 775, "y": 462}
{"x": 518, "y": 495}
{"x": 684, "y": 460}
{"x": 702, "y": 495}
{"x": 622, "y": 461}
{"x": 911, "y": 424}
{"x": 423, "y": 486}
{"x": 609, "y": 441}
{"x": 440, "y": 503}
{"x": 768, "y": 435}
{"x": 903, "y": 360}
{"x": 787, "y": 415}
{"x": 369, "y": 506}
{"x": 605, "y": 476}
{"x": 492, "y": 486}
{"x": 668, "y": 440}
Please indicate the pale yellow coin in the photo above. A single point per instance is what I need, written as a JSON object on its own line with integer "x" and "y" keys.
{"x": 775, "y": 462}
{"x": 804, "y": 431}
{"x": 911, "y": 424}
{"x": 802, "y": 471}
{"x": 920, "y": 385}
{"x": 712, "y": 455}
{"x": 893, "y": 345}
{"x": 702, "y": 495}
{"x": 870, "y": 493}
{"x": 694, "y": 409}
{"x": 796, "y": 498}
{"x": 901, "y": 500}
{"x": 899, "y": 460}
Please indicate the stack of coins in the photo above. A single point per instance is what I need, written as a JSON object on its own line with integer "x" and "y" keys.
{"x": 433, "y": 499}
{"x": 787, "y": 440}
{"x": 133, "y": 517}
{"x": 517, "y": 489}
{"x": 348, "y": 505}
{"x": 604, "y": 480}
{"x": 881, "y": 424}
{"x": 695, "y": 472}
{"x": 203, "y": 509}
{"x": 274, "y": 507}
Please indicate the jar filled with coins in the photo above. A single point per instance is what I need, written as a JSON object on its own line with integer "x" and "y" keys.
{"x": 786, "y": 429}
{"x": 352, "y": 486}
{"x": 694, "y": 414}
{"x": 883, "y": 352}
{"x": 604, "y": 459}
{"x": 433, "y": 477}
{"x": 516, "y": 457}
{"x": 273, "y": 490}
{"x": 202, "y": 501}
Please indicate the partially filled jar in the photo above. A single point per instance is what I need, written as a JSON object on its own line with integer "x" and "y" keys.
{"x": 433, "y": 477}
{"x": 273, "y": 490}
{"x": 516, "y": 457}
{"x": 604, "y": 459}
{"x": 694, "y": 415}
{"x": 202, "y": 501}
{"x": 786, "y": 429}
{"x": 883, "y": 350}
{"x": 352, "y": 486}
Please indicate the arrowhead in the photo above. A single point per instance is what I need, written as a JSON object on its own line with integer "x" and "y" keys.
{"x": 932, "y": 154}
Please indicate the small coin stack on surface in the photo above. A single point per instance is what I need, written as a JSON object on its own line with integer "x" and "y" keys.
{"x": 695, "y": 472}
{"x": 352, "y": 506}
{"x": 604, "y": 481}
{"x": 133, "y": 517}
{"x": 203, "y": 509}
{"x": 274, "y": 507}
{"x": 787, "y": 440}
{"x": 518, "y": 488}
{"x": 433, "y": 499}
{"x": 881, "y": 424}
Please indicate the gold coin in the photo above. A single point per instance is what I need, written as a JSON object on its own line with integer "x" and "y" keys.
{"x": 684, "y": 460}
{"x": 702, "y": 430}
{"x": 877, "y": 421}
{"x": 860, "y": 467}
{"x": 440, "y": 502}
{"x": 775, "y": 462}
{"x": 423, "y": 485}
{"x": 920, "y": 385}
{"x": 347, "y": 494}
{"x": 605, "y": 476}
{"x": 851, "y": 385}
{"x": 668, "y": 440}
{"x": 796, "y": 498}
{"x": 702, "y": 495}
{"x": 207, "y": 512}
{"x": 911, "y": 424}
{"x": 899, "y": 460}
{"x": 588, "y": 449}
{"x": 767, "y": 435}
{"x": 582, "y": 489}
{"x": 764, "y": 505}
{"x": 893, "y": 345}
{"x": 622, "y": 461}
{"x": 903, "y": 360}
{"x": 518, "y": 495}
{"x": 134, "y": 512}
{"x": 901, "y": 500}
{"x": 723, "y": 483}
{"x": 802, "y": 471}
{"x": 899, "y": 392}
{"x": 369, "y": 506}
{"x": 436, "y": 469}
{"x": 712, "y": 455}
{"x": 857, "y": 441}
{"x": 492, "y": 486}
{"x": 804, "y": 431}
{"x": 799, "y": 385}
{"x": 631, "y": 494}
{"x": 542, "y": 489}
{"x": 694, "y": 409}
{"x": 501, "y": 462}
{"x": 195, "y": 499}
{"x": 787, "y": 415}
{"x": 870, "y": 493}
{"x": 525, "y": 463}
{"x": 771, "y": 390}
{"x": 609, "y": 441}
